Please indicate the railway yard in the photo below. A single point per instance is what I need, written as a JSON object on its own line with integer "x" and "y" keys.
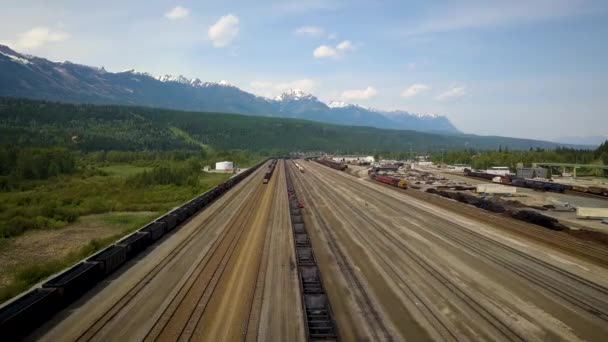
{"x": 300, "y": 251}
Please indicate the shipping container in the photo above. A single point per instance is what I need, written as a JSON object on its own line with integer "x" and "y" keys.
{"x": 592, "y": 213}
{"x": 495, "y": 189}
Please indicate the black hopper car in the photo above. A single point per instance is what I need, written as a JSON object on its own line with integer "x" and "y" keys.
{"x": 24, "y": 314}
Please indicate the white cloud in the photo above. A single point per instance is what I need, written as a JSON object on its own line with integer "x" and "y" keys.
{"x": 414, "y": 90}
{"x": 345, "y": 46}
{"x": 311, "y": 31}
{"x": 452, "y": 93}
{"x": 326, "y": 51}
{"x": 37, "y": 37}
{"x": 270, "y": 89}
{"x": 224, "y": 31}
{"x": 178, "y": 12}
{"x": 359, "y": 94}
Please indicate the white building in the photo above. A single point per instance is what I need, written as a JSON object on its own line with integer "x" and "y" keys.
{"x": 226, "y": 166}
{"x": 353, "y": 159}
{"x": 499, "y": 170}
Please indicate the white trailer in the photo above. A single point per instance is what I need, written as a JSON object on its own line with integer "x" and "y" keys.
{"x": 495, "y": 189}
{"x": 591, "y": 213}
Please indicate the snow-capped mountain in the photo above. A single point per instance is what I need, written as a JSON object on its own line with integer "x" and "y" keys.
{"x": 294, "y": 95}
{"x": 38, "y": 78}
{"x": 338, "y": 104}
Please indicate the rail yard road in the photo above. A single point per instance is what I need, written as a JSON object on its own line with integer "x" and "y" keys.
{"x": 393, "y": 266}
{"x": 398, "y": 268}
{"x": 228, "y": 274}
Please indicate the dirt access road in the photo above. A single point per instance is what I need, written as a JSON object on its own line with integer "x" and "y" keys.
{"x": 227, "y": 275}
{"x": 397, "y": 268}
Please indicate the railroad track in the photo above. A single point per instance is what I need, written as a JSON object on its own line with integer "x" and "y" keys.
{"x": 180, "y": 319}
{"x": 573, "y": 245}
{"x": 437, "y": 319}
{"x": 363, "y": 299}
{"x": 110, "y": 314}
{"x": 319, "y": 314}
{"x": 588, "y": 303}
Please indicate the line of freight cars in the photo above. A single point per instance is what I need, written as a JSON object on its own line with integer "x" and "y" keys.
{"x": 595, "y": 190}
{"x": 270, "y": 171}
{"x": 21, "y": 316}
{"x": 299, "y": 166}
{"x": 318, "y": 314}
{"x": 519, "y": 182}
{"x": 332, "y": 164}
{"x": 394, "y": 181}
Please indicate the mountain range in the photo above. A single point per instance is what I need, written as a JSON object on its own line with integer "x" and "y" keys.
{"x": 27, "y": 76}
{"x": 592, "y": 140}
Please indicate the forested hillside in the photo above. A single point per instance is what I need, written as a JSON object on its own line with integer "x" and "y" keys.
{"x": 27, "y": 76}
{"x": 93, "y": 128}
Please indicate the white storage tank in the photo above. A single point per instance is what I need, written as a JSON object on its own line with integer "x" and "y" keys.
{"x": 226, "y": 166}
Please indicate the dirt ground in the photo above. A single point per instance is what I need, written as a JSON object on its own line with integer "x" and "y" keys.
{"x": 399, "y": 268}
{"x": 227, "y": 274}
{"x": 395, "y": 267}
{"x": 40, "y": 246}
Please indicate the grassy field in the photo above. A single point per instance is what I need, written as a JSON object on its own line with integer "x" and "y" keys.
{"x": 54, "y": 223}
{"x": 124, "y": 170}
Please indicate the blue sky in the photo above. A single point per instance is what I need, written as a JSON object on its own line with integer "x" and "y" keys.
{"x": 523, "y": 68}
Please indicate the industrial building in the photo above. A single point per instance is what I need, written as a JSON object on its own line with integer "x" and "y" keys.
{"x": 498, "y": 170}
{"x": 531, "y": 172}
{"x": 226, "y": 166}
{"x": 354, "y": 159}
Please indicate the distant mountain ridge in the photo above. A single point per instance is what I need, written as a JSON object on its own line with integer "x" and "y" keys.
{"x": 594, "y": 140}
{"x": 89, "y": 128}
{"x": 38, "y": 78}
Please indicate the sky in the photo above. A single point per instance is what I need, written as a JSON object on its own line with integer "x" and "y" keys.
{"x": 520, "y": 68}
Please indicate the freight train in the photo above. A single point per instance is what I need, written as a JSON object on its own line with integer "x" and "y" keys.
{"x": 597, "y": 190}
{"x": 394, "y": 181}
{"x": 535, "y": 184}
{"x": 299, "y": 167}
{"x": 270, "y": 171}
{"x": 538, "y": 185}
{"x": 24, "y": 314}
{"x": 332, "y": 164}
{"x": 478, "y": 174}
